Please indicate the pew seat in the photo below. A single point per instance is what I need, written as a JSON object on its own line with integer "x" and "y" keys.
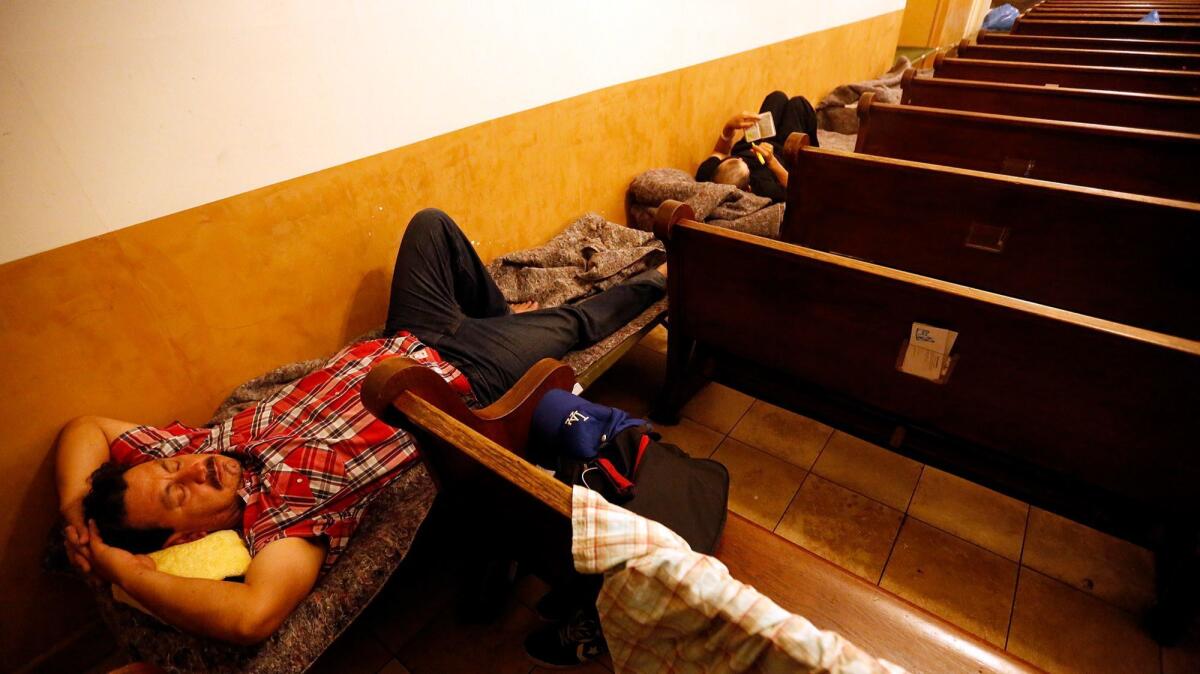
{"x": 1110, "y": 29}
{"x": 1123, "y": 257}
{"x": 1124, "y": 159}
{"x": 1113, "y": 108}
{"x": 476, "y": 457}
{"x": 990, "y": 37}
{"x": 1155, "y": 60}
{"x": 1143, "y": 80}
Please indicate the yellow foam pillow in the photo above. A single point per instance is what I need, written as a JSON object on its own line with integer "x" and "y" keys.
{"x": 218, "y": 555}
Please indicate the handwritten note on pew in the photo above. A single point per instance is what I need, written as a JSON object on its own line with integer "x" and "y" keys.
{"x": 927, "y": 352}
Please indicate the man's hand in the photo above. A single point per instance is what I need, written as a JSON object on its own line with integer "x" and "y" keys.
{"x": 76, "y": 534}
{"x": 112, "y": 564}
{"x": 739, "y": 122}
{"x": 766, "y": 151}
{"x": 742, "y": 120}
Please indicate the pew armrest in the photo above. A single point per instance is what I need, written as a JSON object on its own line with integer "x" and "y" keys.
{"x": 405, "y": 393}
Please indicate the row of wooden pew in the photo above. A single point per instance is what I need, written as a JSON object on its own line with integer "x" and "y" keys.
{"x": 1044, "y": 210}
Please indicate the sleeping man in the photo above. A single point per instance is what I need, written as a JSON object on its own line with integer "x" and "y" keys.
{"x": 757, "y": 167}
{"x": 295, "y": 472}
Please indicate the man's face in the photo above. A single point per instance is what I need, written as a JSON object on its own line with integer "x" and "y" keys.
{"x": 188, "y": 493}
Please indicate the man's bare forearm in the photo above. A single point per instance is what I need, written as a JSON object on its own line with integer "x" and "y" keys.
{"x": 218, "y": 609}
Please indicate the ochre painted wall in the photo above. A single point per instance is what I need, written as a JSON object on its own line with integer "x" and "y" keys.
{"x": 160, "y": 320}
{"x": 935, "y": 23}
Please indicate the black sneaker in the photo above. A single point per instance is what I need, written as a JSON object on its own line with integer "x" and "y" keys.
{"x": 567, "y": 644}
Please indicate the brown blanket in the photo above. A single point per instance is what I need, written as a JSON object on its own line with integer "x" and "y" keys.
{"x": 591, "y": 255}
{"x": 836, "y": 112}
{"x": 714, "y": 203}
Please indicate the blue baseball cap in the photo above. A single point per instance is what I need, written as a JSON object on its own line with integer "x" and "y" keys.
{"x": 564, "y": 423}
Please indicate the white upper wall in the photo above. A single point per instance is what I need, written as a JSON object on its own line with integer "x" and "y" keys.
{"x": 113, "y": 113}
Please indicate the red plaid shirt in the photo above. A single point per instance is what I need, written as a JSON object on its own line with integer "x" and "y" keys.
{"x": 314, "y": 457}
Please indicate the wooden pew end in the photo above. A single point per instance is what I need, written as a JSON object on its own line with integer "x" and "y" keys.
{"x": 907, "y": 78}
{"x": 794, "y": 145}
{"x": 961, "y": 43}
{"x": 669, "y": 213}
{"x": 505, "y": 421}
{"x": 864, "y": 107}
{"x": 938, "y": 59}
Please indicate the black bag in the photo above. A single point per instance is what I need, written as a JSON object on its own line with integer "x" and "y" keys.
{"x": 658, "y": 481}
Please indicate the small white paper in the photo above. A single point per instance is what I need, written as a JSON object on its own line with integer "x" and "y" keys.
{"x": 928, "y": 352}
{"x": 763, "y": 128}
{"x": 577, "y": 388}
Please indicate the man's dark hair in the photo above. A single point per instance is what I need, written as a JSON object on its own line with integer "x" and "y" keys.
{"x": 105, "y": 503}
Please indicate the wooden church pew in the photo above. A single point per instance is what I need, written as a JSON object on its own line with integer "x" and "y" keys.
{"x": 476, "y": 458}
{"x": 1081, "y": 57}
{"x": 1187, "y": 15}
{"x": 1114, "y": 108}
{"x": 1124, "y": 159}
{"x": 1122, "y": 257}
{"x": 1089, "y": 418}
{"x": 988, "y": 37}
{"x": 1113, "y": 29}
{"x": 1142, "y": 80}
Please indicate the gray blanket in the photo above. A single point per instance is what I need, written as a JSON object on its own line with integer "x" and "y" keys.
{"x": 591, "y": 255}
{"x": 714, "y": 203}
{"x": 836, "y": 112}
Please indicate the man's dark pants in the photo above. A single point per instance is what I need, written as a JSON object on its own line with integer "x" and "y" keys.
{"x": 443, "y": 295}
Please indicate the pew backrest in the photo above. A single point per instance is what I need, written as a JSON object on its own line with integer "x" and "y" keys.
{"x": 1114, "y": 29}
{"x": 1124, "y": 159}
{"x": 1108, "y": 409}
{"x": 988, "y": 37}
{"x": 1155, "y": 60}
{"x": 1144, "y": 80}
{"x": 1124, "y": 257}
{"x": 1113, "y": 108}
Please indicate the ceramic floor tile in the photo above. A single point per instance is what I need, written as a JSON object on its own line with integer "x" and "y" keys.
{"x": 961, "y": 582}
{"x": 656, "y": 339}
{"x": 1061, "y": 629}
{"x": 848, "y": 529}
{"x": 357, "y": 651}
{"x": 1114, "y": 570}
{"x": 969, "y": 511}
{"x": 718, "y": 407}
{"x": 449, "y": 646}
{"x": 869, "y": 469}
{"x": 787, "y": 435}
{"x": 760, "y": 485}
{"x": 696, "y": 439}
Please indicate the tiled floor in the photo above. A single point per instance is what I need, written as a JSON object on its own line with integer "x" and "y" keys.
{"x": 1058, "y": 594}
{"x": 1051, "y": 591}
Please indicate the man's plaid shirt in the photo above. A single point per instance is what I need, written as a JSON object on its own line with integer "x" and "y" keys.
{"x": 313, "y": 456}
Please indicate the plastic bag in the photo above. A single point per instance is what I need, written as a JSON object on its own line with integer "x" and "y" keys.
{"x": 1152, "y": 17}
{"x": 1001, "y": 18}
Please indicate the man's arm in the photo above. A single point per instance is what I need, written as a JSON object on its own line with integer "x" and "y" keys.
{"x": 767, "y": 152}
{"x": 730, "y": 131}
{"x": 279, "y": 577}
{"x": 82, "y": 447}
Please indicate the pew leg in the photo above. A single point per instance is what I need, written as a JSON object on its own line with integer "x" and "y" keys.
{"x": 674, "y": 392}
{"x": 1175, "y": 570}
